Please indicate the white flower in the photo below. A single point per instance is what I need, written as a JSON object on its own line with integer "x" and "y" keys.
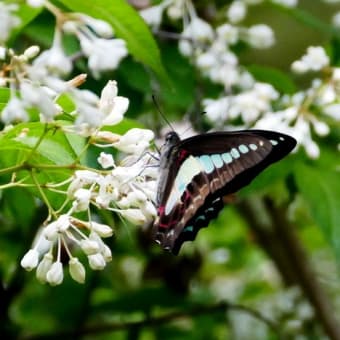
{"x": 30, "y": 260}
{"x": 96, "y": 261}
{"x": 149, "y": 210}
{"x": 81, "y": 178}
{"x": 216, "y": 109}
{"x": 228, "y": 33}
{"x": 55, "y": 59}
{"x": 106, "y": 252}
{"x": 60, "y": 225}
{"x": 97, "y": 50}
{"x": 336, "y": 19}
{"x": 83, "y": 197}
{"x": 135, "y": 216}
{"x": 43, "y": 267}
{"x": 3, "y": 52}
{"x": 260, "y": 36}
{"x": 35, "y": 3}
{"x": 252, "y": 2}
{"x": 111, "y": 105}
{"x": 312, "y": 149}
{"x": 100, "y": 229}
{"x": 108, "y": 191}
{"x": 332, "y": 110}
{"x": 77, "y": 270}
{"x": 320, "y": 128}
{"x": 135, "y": 141}
{"x": 102, "y": 28}
{"x": 89, "y": 116}
{"x": 153, "y": 15}
{"x": 8, "y": 20}
{"x": 55, "y": 274}
{"x": 314, "y": 60}
{"x": 105, "y": 160}
{"x": 31, "y": 52}
{"x": 287, "y": 3}
{"x": 197, "y": 30}
{"x": 176, "y": 9}
{"x": 14, "y": 112}
{"x": 89, "y": 247}
{"x": 51, "y": 231}
{"x": 206, "y": 61}
{"x": 237, "y": 11}
{"x": 37, "y": 96}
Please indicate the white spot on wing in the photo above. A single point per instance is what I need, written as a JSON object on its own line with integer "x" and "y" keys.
{"x": 187, "y": 171}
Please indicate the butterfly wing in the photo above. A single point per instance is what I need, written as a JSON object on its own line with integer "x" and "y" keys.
{"x": 204, "y": 168}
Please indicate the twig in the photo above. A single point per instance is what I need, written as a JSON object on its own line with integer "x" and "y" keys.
{"x": 156, "y": 321}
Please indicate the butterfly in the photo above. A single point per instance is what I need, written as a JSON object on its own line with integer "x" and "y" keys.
{"x": 195, "y": 174}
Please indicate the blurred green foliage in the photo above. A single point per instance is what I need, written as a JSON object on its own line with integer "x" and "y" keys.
{"x": 139, "y": 293}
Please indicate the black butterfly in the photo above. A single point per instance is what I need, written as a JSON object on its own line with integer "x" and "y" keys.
{"x": 195, "y": 174}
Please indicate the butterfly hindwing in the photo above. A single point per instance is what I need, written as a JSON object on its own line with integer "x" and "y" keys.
{"x": 198, "y": 171}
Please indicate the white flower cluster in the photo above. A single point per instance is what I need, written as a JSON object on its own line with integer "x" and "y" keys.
{"x": 95, "y": 39}
{"x": 8, "y": 20}
{"x": 314, "y": 60}
{"x": 308, "y": 113}
{"x": 246, "y": 102}
{"x": 238, "y": 8}
{"x": 126, "y": 190}
{"x": 290, "y": 309}
{"x": 40, "y": 89}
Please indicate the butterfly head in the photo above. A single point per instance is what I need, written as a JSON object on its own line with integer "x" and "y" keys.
{"x": 172, "y": 138}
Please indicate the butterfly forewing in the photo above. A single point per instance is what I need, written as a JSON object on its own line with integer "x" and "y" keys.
{"x": 204, "y": 168}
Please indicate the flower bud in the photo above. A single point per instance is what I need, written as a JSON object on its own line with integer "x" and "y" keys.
{"x": 89, "y": 247}
{"x": 105, "y": 160}
{"x": 135, "y": 216}
{"x": 30, "y": 260}
{"x": 106, "y": 252}
{"x": 55, "y": 275}
{"x": 31, "y": 52}
{"x": 77, "y": 270}
{"x": 102, "y": 230}
{"x": 44, "y": 267}
{"x": 97, "y": 261}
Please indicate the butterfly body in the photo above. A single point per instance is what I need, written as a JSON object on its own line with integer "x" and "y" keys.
{"x": 195, "y": 174}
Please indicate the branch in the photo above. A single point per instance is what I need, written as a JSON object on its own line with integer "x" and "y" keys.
{"x": 156, "y": 321}
{"x": 276, "y": 235}
{"x": 307, "y": 278}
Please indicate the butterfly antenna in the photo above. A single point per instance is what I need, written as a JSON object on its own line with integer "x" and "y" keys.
{"x": 161, "y": 113}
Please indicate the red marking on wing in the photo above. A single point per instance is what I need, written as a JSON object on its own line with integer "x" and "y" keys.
{"x": 161, "y": 209}
{"x": 175, "y": 216}
{"x": 182, "y": 155}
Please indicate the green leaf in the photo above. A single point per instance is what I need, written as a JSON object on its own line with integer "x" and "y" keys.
{"x": 4, "y": 97}
{"x": 51, "y": 160}
{"x": 54, "y": 147}
{"x": 321, "y": 191}
{"x": 182, "y": 75}
{"x": 128, "y": 25}
{"x": 307, "y": 19}
{"x": 26, "y": 14}
{"x": 273, "y": 76}
{"x": 21, "y": 204}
